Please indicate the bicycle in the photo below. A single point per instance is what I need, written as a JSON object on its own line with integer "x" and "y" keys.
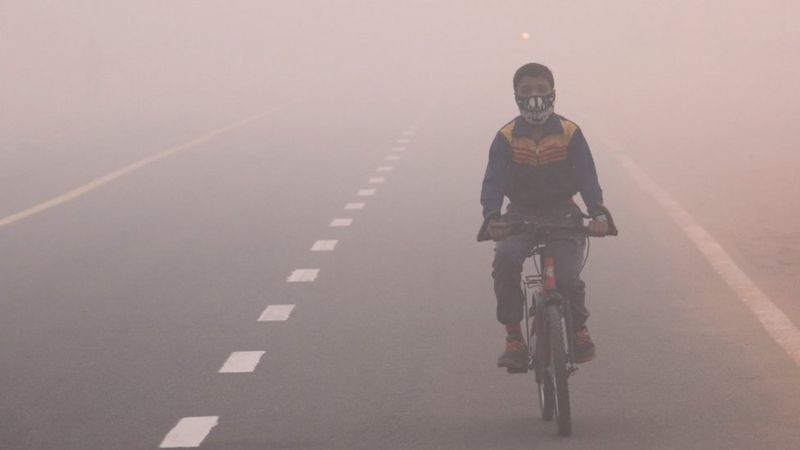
{"x": 549, "y": 329}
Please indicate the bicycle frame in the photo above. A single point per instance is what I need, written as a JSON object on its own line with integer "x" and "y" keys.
{"x": 540, "y": 290}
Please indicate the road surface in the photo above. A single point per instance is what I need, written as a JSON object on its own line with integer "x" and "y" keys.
{"x": 122, "y": 305}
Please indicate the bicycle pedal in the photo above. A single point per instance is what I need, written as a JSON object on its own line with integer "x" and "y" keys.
{"x": 517, "y": 369}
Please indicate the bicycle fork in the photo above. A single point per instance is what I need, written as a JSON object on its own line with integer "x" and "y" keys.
{"x": 554, "y": 297}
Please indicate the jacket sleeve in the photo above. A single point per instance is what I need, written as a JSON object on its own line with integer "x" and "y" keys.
{"x": 584, "y": 171}
{"x": 497, "y": 179}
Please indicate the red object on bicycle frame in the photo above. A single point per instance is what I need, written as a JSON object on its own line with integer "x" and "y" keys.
{"x": 549, "y": 272}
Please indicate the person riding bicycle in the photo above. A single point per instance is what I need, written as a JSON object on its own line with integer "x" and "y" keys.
{"x": 539, "y": 160}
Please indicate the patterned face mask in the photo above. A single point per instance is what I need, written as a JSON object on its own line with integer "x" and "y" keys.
{"x": 536, "y": 108}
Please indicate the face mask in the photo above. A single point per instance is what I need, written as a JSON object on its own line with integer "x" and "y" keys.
{"x": 536, "y": 108}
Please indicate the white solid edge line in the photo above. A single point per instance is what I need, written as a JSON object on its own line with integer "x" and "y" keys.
{"x": 242, "y": 362}
{"x": 189, "y": 432}
{"x": 105, "y": 179}
{"x": 777, "y": 324}
{"x": 276, "y": 313}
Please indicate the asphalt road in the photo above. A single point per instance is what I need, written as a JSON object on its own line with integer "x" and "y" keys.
{"x": 120, "y": 307}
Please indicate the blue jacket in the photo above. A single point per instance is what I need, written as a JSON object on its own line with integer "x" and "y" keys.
{"x": 539, "y": 174}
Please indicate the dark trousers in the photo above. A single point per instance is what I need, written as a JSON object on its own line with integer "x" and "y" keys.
{"x": 568, "y": 252}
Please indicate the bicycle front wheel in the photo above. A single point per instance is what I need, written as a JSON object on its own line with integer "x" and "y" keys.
{"x": 547, "y": 396}
{"x": 558, "y": 369}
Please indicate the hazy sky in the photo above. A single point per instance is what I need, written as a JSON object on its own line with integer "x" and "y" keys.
{"x": 62, "y": 58}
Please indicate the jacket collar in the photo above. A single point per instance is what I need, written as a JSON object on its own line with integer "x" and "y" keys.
{"x": 524, "y": 129}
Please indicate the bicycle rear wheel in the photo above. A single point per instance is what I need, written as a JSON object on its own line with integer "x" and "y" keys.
{"x": 558, "y": 369}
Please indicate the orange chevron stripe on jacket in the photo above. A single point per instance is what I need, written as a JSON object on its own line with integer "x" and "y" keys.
{"x": 551, "y": 148}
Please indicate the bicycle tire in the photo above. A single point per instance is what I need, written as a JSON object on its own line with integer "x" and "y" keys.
{"x": 558, "y": 369}
{"x": 544, "y": 381}
{"x": 547, "y": 397}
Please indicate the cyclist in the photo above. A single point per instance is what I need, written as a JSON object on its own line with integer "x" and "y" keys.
{"x": 539, "y": 160}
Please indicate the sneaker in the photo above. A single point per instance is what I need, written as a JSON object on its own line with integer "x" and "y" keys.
{"x": 584, "y": 347}
{"x": 515, "y": 358}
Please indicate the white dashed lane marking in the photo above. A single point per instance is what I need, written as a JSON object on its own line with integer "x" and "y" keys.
{"x": 192, "y": 431}
{"x": 303, "y": 275}
{"x": 189, "y": 432}
{"x": 276, "y": 313}
{"x": 242, "y": 362}
{"x": 323, "y": 246}
{"x": 342, "y": 222}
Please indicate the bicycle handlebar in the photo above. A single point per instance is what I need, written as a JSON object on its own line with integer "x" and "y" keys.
{"x": 528, "y": 226}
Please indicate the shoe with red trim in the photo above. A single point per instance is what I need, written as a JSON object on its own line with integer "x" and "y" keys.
{"x": 584, "y": 347}
{"x": 515, "y": 357}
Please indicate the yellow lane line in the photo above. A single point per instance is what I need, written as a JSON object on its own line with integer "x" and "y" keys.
{"x": 105, "y": 179}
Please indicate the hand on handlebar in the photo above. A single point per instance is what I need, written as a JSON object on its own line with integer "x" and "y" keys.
{"x": 598, "y": 226}
{"x": 601, "y": 223}
{"x": 499, "y": 228}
